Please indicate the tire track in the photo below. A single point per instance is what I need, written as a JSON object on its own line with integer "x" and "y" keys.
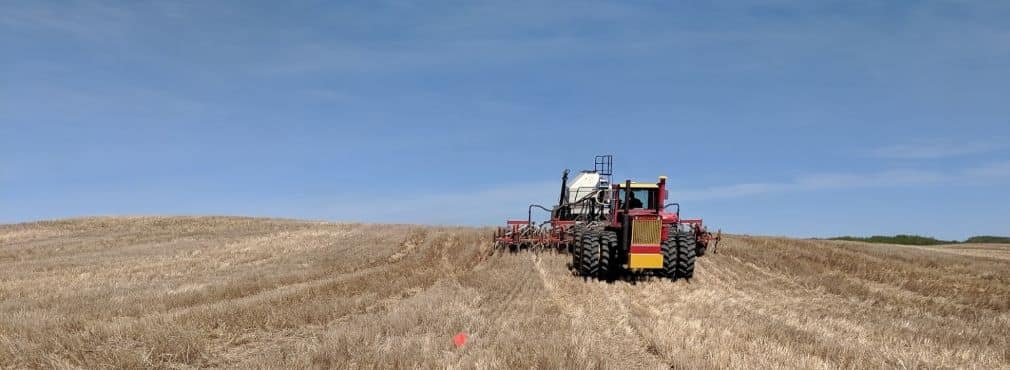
{"x": 416, "y": 253}
{"x": 290, "y": 289}
{"x": 588, "y": 317}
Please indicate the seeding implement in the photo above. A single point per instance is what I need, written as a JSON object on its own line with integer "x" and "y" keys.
{"x": 613, "y": 228}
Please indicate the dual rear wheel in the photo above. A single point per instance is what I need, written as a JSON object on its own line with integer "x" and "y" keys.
{"x": 679, "y": 256}
{"x": 591, "y": 256}
{"x": 595, "y": 254}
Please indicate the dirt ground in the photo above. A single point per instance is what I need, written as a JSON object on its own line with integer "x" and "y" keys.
{"x": 181, "y": 292}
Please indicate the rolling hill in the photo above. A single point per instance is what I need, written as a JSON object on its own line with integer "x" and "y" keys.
{"x": 181, "y": 292}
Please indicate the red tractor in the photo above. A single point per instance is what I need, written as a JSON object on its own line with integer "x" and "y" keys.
{"x": 613, "y": 228}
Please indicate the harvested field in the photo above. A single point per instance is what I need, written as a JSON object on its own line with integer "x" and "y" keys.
{"x": 238, "y": 292}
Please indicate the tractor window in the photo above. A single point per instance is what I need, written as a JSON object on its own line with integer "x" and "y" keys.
{"x": 645, "y": 196}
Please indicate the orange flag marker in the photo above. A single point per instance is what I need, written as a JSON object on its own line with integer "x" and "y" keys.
{"x": 459, "y": 339}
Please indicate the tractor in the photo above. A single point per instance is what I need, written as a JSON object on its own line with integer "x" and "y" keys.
{"x": 611, "y": 229}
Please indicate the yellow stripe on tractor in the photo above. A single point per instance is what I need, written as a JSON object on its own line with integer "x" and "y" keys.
{"x": 646, "y": 261}
{"x": 645, "y": 250}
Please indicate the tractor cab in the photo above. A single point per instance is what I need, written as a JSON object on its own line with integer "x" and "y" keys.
{"x": 638, "y": 198}
{"x": 642, "y": 196}
{"x": 639, "y": 222}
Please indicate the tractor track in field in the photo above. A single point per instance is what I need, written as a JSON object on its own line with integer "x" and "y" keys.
{"x": 510, "y": 295}
{"x": 341, "y": 278}
{"x": 617, "y": 309}
{"x": 382, "y": 304}
{"x": 495, "y": 306}
{"x": 629, "y": 322}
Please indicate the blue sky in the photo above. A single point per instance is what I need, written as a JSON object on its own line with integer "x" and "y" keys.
{"x": 800, "y": 118}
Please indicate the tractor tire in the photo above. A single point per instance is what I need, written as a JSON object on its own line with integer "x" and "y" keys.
{"x": 608, "y": 255}
{"x": 669, "y": 249}
{"x": 686, "y": 256}
{"x": 591, "y": 254}
{"x": 576, "y": 250}
{"x": 576, "y": 232}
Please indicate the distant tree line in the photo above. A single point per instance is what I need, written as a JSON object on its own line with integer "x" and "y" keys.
{"x": 922, "y": 240}
{"x": 988, "y": 239}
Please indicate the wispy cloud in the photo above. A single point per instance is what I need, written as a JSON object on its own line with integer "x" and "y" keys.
{"x": 933, "y": 150}
{"x": 979, "y": 175}
{"x": 88, "y": 20}
{"x": 489, "y": 34}
{"x": 864, "y": 180}
{"x": 475, "y": 206}
{"x": 86, "y": 101}
{"x": 990, "y": 171}
{"x": 491, "y": 205}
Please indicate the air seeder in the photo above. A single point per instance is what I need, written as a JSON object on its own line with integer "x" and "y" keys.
{"x": 613, "y": 228}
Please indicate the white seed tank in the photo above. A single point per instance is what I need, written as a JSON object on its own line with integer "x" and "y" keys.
{"x": 583, "y": 185}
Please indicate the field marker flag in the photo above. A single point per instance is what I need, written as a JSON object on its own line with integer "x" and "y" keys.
{"x": 459, "y": 339}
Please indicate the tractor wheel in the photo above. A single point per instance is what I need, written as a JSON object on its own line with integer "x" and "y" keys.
{"x": 669, "y": 249}
{"x": 685, "y": 256}
{"x": 608, "y": 255}
{"x": 591, "y": 254}
{"x": 576, "y": 250}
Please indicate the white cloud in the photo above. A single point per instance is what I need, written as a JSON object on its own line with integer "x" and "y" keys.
{"x": 986, "y": 174}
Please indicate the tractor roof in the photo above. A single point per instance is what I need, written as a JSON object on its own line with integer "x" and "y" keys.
{"x": 639, "y": 185}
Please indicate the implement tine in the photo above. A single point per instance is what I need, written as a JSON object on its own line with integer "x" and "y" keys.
{"x": 718, "y": 237}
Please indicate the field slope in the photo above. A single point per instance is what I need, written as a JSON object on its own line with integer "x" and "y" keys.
{"x": 241, "y": 292}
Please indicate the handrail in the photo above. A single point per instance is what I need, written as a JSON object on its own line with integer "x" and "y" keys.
{"x": 529, "y": 214}
{"x": 673, "y": 204}
{"x": 586, "y": 199}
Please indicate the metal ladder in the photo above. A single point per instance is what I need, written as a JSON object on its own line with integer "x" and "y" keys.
{"x": 604, "y": 166}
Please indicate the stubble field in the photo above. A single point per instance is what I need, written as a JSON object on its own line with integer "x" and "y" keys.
{"x": 181, "y": 292}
